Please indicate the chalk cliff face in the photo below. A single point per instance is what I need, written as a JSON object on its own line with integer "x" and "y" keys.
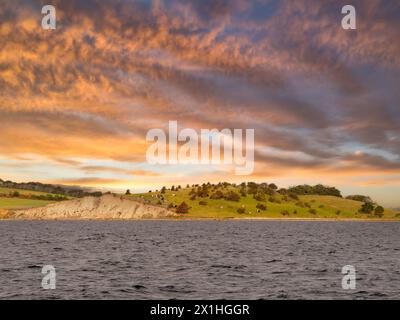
{"x": 94, "y": 208}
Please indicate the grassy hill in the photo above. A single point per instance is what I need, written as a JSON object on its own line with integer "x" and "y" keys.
{"x": 277, "y": 205}
{"x": 11, "y": 198}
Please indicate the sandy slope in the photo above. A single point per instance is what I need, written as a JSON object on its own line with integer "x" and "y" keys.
{"x": 105, "y": 207}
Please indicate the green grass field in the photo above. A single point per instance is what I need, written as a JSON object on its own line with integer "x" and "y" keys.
{"x": 17, "y": 203}
{"x": 21, "y": 191}
{"x": 8, "y": 203}
{"x": 328, "y": 207}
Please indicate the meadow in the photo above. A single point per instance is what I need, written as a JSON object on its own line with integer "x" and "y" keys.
{"x": 276, "y": 206}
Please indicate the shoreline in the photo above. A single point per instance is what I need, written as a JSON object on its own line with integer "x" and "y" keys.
{"x": 224, "y": 219}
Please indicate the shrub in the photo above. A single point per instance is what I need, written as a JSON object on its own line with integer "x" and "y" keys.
{"x": 294, "y": 211}
{"x": 271, "y": 199}
{"x": 182, "y": 208}
{"x": 232, "y": 196}
{"x": 312, "y": 211}
{"x": 261, "y": 206}
{"x": 293, "y": 196}
{"x": 259, "y": 197}
{"x": 203, "y": 203}
{"x": 273, "y": 186}
{"x": 128, "y": 192}
{"x": 367, "y": 207}
{"x": 217, "y": 195}
{"x": 284, "y": 212}
{"x": 241, "y": 210}
{"x": 193, "y": 197}
{"x": 359, "y": 197}
{"x": 379, "y": 210}
{"x": 319, "y": 189}
{"x": 338, "y": 212}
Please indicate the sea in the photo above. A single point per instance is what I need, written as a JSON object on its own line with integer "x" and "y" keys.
{"x": 210, "y": 259}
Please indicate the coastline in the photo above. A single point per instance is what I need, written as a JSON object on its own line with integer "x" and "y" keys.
{"x": 223, "y": 219}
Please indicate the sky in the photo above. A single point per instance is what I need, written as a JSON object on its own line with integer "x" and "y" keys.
{"x": 76, "y": 102}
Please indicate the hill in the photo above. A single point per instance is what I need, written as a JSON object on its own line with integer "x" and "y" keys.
{"x": 93, "y": 208}
{"x": 11, "y": 198}
{"x": 69, "y": 191}
{"x": 257, "y": 201}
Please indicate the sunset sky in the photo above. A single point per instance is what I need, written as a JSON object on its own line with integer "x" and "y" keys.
{"x": 76, "y": 102}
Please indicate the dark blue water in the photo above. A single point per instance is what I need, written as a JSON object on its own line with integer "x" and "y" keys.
{"x": 199, "y": 259}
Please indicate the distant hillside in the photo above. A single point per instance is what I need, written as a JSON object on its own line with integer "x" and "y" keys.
{"x": 252, "y": 200}
{"x": 49, "y": 188}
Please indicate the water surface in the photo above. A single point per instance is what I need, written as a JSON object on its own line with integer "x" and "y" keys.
{"x": 199, "y": 259}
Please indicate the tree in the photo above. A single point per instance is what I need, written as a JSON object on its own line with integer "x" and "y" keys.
{"x": 359, "y": 197}
{"x": 273, "y": 186}
{"x": 261, "y": 206}
{"x": 259, "y": 197}
{"x": 232, "y": 196}
{"x": 217, "y": 195}
{"x": 367, "y": 207}
{"x": 182, "y": 208}
{"x": 379, "y": 210}
{"x": 128, "y": 192}
{"x": 15, "y": 194}
{"x": 163, "y": 189}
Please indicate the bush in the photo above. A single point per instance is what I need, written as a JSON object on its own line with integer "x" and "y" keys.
{"x": 379, "y": 210}
{"x": 359, "y": 197}
{"x": 259, "y": 197}
{"x": 293, "y": 196}
{"x": 15, "y": 194}
{"x": 318, "y": 189}
{"x": 203, "y": 203}
{"x": 312, "y": 211}
{"x": 217, "y": 195}
{"x": 193, "y": 197}
{"x": 367, "y": 208}
{"x": 285, "y": 213}
{"x": 261, "y": 206}
{"x": 232, "y": 196}
{"x": 241, "y": 210}
{"x": 182, "y": 208}
{"x": 338, "y": 212}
